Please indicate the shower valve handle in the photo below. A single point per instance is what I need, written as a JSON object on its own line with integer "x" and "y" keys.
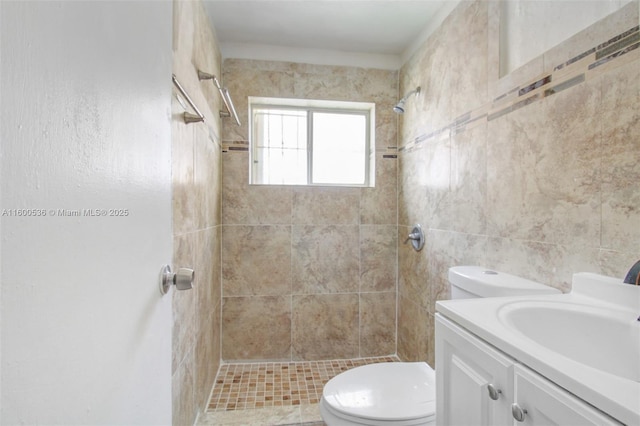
{"x": 417, "y": 238}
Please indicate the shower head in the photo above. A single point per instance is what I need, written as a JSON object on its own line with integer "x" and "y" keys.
{"x": 399, "y": 108}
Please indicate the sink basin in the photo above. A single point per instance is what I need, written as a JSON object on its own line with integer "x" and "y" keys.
{"x": 605, "y": 339}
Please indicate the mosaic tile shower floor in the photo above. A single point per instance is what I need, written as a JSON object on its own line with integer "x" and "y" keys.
{"x": 274, "y": 393}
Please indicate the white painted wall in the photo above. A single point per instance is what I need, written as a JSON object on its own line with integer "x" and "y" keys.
{"x": 85, "y": 111}
{"x": 528, "y": 28}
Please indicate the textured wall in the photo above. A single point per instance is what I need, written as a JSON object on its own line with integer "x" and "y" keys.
{"x": 196, "y": 168}
{"x": 534, "y": 174}
{"x": 308, "y": 273}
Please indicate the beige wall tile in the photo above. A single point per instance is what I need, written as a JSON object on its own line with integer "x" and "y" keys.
{"x": 256, "y": 328}
{"x": 184, "y": 407}
{"x": 205, "y": 272}
{"x": 441, "y": 253}
{"x": 379, "y": 205}
{"x": 245, "y": 204}
{"x": 206, "y": 363}
{"x": 541, "y": 191}
{"x": 549, "y": 264}
{"x": 412, "y": 270}
{"x": 468, "y": 203}
{"x": 377, "y": 324}
{"x": 256, "y": 260}
{"x": 621, "y": 159}
{"x": 543, "y": 180}
{"x": 197, "y": 186}
{"x": 185, "y": 324}
{"x": 436, "y": 161}
{"x": 386, "y": 123}
{"x": 324, "y": 206}
{"x": 412, "y": 191}
{"x": 182, "y": 170}
{"x": 208, "y": 186}
{"x": 325, "y": 259}
{"x": 378, "y": 251}
{"x": 325, "y": 326}
{"x": 413, "y": 332}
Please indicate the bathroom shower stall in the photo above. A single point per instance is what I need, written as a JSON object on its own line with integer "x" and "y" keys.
{"x": 317, "y": 273}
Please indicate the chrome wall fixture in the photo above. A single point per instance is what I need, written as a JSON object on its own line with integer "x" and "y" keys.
{"x": 399, "y": 108}
{"x": 188, "y": 117}
{"x": 416, "y": 237}
{"x": 224, "y": 93}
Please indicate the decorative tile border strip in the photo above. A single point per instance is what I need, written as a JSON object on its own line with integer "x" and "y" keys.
{"x": 389, "y": 152}
{"x": 568, "y": 74}
{"x": 235, "y": 146}
{"x": 533, "y": 86}
{"x": 613, "y": 56}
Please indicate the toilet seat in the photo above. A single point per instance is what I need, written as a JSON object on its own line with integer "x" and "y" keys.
{"x": 398, "y": 393}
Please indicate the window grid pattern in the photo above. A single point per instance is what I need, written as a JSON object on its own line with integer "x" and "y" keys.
{"x": 310, "y": 146}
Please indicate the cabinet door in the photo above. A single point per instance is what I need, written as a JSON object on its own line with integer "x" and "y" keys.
{"x": 548, "y": 404}
{"x": 466, "y": 368}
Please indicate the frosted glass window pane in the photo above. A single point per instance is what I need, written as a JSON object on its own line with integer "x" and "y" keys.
{"x": 281, "y": 147}
{"x": 339, "y": 148}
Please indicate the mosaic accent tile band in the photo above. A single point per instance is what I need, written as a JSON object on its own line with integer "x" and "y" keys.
{"x": 273, "y": 384}
{"x": 570, "y": 73}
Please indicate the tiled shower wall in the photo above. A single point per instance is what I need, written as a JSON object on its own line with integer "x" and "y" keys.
{"x": 535, "y": 173}
{"x": 308, "y": 273}
{"x": 196, "y": 170}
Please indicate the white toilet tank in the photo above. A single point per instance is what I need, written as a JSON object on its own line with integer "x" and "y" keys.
{"x": 475, "y": 281}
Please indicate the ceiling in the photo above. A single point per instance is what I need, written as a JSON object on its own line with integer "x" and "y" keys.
{"x": 367, "y": 29}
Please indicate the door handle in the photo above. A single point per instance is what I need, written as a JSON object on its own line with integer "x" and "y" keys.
{"x": 182, "y": 279}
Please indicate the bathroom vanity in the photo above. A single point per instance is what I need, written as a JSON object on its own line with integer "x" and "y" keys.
{"x": 568, "y": 359}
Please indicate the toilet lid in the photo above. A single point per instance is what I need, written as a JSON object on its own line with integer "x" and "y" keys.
{"x": 386, "y": 391}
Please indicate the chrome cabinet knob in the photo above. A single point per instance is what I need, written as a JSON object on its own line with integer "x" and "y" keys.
{"x": 494, "y": 393}
{"x": 518, "y": 412}
{"x": 182, "y": 279}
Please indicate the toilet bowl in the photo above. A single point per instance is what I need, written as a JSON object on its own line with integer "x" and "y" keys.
{"x": 404, "y": 393}
{"x": 398, "y": 393}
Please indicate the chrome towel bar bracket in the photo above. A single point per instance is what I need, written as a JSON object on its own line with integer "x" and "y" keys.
{"x": 188, "y": 117}
{"x": 224, "y": 94}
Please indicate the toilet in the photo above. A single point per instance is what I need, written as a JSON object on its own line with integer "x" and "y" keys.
{"x": 404, "y": 393}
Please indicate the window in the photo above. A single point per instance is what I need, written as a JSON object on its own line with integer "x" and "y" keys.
{"x": 301, "y": 142}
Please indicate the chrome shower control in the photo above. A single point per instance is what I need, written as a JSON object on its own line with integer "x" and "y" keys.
{"x": 182, "y": 279}
{"x": 417, "y": 237}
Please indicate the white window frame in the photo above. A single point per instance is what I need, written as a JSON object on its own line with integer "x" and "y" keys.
{"x": 366, "y": 109}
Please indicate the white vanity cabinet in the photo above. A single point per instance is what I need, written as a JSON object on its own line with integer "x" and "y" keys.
{"x": 466, "y": 368}
{"x": 476, "y": 384}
